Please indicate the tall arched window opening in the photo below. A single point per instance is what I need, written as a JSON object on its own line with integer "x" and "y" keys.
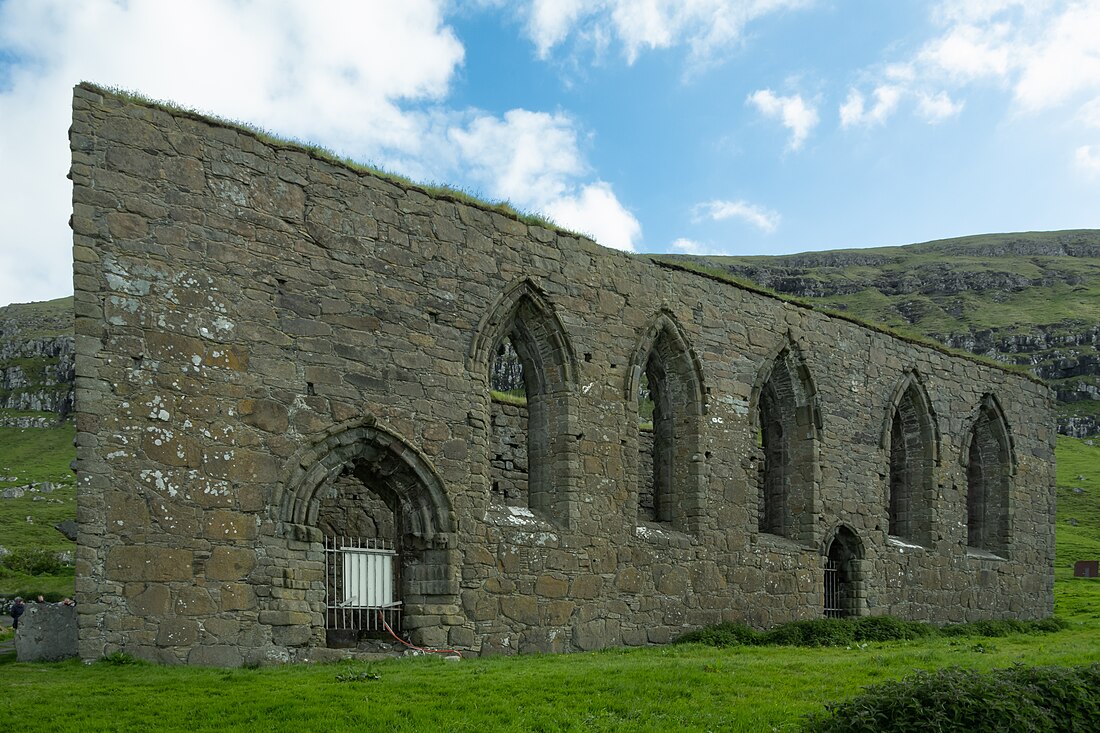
{"x": 509, "y": 426}
{"x": 667, "y": 386}
{"x": 787, "y": 424}
{"x": 912, "y": 443}
{"x": 990, "y": 465}
{"x": 529, "y": 369}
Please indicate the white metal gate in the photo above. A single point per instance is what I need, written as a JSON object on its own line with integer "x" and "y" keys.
{"x": 834, "y": 601}
{"x": 361, "y": 582}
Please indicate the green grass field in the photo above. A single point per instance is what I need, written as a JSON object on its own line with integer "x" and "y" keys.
{"x": 35, "y": 455}
{"x": 672, "y": 688}
{"x": 675, "y": 688}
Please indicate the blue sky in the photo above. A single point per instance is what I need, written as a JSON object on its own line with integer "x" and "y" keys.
{"x": 711, "y": 126}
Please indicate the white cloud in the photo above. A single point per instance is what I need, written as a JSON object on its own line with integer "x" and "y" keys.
{"x": 718, "y": 210}
{"x": 793, "y": 112}
{"x": 854, "y": 110}
{"x": 936, "y": 108}
{"x": 550, "y": 21}
{"x": 301, "y": 70}
{"x": 1087, "y": 158}
{"x": 967, "y": 52}
{"x": 370, "y": 80}
{"x": 687, "y": 246}
{"x": 526, "y": 156}
{"x": 532, "y": 159}
{"x": 1090, "y": 113}
{"x": 595, "y": 211}
{"x": 1064, "y": 62}
{"x": 1045, "y": 53}
{"x": 706, "y": 27}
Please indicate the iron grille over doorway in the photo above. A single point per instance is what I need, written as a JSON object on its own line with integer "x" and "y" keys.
{"x": 834, "y": 607}
{"x": 361, "y": 584}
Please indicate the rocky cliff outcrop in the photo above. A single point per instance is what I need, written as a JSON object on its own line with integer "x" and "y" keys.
{"x": 36, "y": 361}
{"x": 1027, "y": 299}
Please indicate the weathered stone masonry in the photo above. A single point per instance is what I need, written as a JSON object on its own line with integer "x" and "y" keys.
{"x": 272, "y": 347}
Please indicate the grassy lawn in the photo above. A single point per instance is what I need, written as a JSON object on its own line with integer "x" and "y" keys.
{"x": 680, "y": 688}
{"x": 668, "y": 688}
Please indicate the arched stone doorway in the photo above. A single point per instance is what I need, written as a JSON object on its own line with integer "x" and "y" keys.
{"x": 844, "y": 595}
{"x": 367, "y": 513}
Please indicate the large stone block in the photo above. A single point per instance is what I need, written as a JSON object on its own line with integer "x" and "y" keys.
{"x": 236, "y": 597}
{"x": 220, "y": 524}
{"x": 47, "y": 633}
{"x": 148, "y": 599}
{"x": 230, "y": 563}
{"x": 215, "y": 655}
{"x": 177, "y": 632}
{"x": 148, "y": 563}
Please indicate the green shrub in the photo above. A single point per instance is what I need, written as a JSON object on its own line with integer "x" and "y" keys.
{"x": 34, "y": 561}
{"x": 889, "y": 628}
{"x": 1049, "y": 625}
{"x": 817, "y": 632}
{"x": 993, "y": 628}
{"x": 119, "y": 659}
{"x": 845, "y": 632}
{"x": 1035, "y": 699}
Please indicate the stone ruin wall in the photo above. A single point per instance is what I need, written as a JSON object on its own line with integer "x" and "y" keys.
{"x": 257, "y": 328}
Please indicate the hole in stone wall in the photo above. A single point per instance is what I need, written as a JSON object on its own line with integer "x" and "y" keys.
{"x": 911, "y": 458}
{"x": 509, "y": 420}
{"x": 529, "y": 367}
{"x": 587, "y": 357}
{"x": 788, "y": 446}
{"x": 669, "y": 406}
{"x": 987, "y": 477}
{"x": 361, "y": 520}
{"x": 843, "y": 582}
{"x": 310, "y": 390}
{"x": 647, "y": 506}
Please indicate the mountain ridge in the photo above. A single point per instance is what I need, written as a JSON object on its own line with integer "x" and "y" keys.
{"x": 1026, "y": 298}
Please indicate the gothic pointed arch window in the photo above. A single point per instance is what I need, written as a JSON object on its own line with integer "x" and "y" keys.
{"x": 990, "y": 463}
{"x": 665, "y": 379}
{"x": 787, "y": 421}
{"x": 529, "y": 367}
{"x": 911, "y": 441}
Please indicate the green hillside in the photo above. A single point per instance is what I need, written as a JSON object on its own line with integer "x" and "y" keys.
{"x": 1030, "y": 299}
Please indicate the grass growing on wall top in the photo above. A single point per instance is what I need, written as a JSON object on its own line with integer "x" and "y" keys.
{"x": 325, "y": 154}
{"x": 901, "y": 332}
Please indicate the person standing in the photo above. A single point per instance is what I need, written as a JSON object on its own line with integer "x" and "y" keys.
{"x": 17, "y": 610}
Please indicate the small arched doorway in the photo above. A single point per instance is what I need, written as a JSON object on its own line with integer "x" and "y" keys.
{"x": 366, "y": 513}
{"x": 843, "y": 588}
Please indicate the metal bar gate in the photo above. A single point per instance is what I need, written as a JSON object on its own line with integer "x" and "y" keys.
{"x": 834, "y": 602}
{"x": 361, "y": 584}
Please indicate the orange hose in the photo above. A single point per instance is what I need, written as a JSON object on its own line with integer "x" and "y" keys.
{"x": 417, "y": 648}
